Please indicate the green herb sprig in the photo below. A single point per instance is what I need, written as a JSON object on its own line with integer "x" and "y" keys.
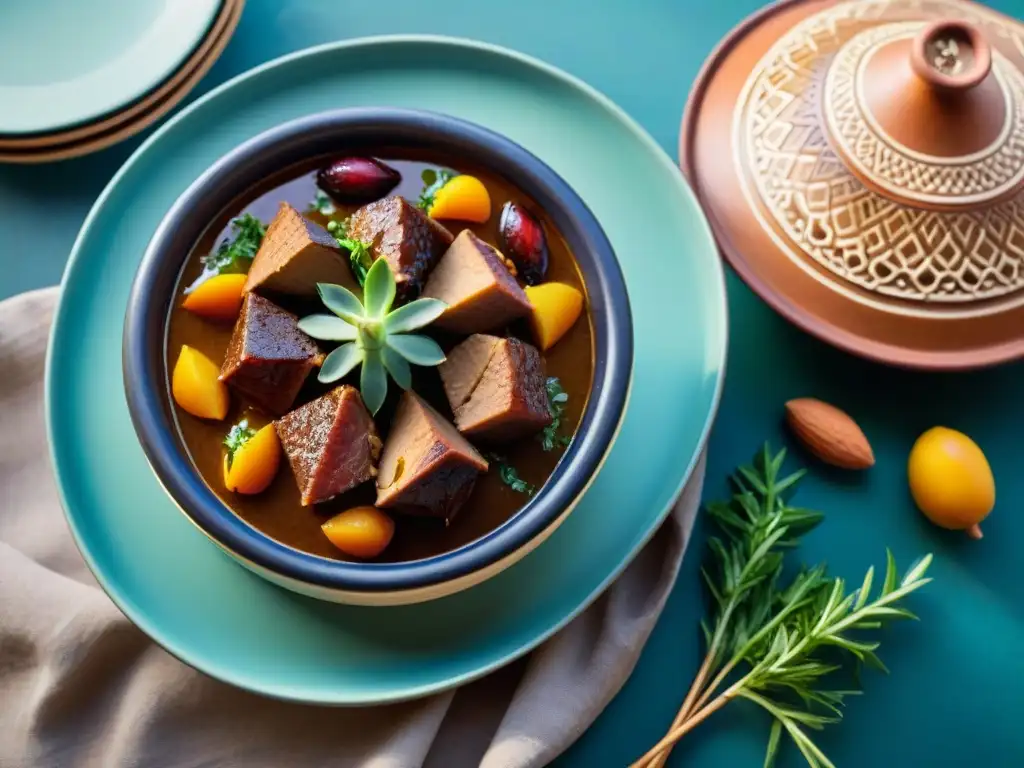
{"x": 777, "y": 645}
{"x": 237, "y": 436}
{"x": 557, "y": 398}
{"x": 322, "y": 204}
{"x": 359, "y": 255}
{"x": 510, "y": 475}
{"x": 234, "y": 255}
{"x": 376, "y": 336}
{"x": 432, "y": 183}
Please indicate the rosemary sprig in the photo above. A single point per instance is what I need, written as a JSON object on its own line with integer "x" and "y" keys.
{"x": 758, "y": 524}
{"x": 788, "y": 639}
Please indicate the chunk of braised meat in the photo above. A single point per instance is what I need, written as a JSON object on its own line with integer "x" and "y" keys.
{"x": 295, "y": 255}
{"x": 464, "y": 367}
{"x": 410, "y": 241}
{"x": 331, "y": 444}
{"x": 427, "y": 467}
{"x": 268, "y": 357}
{"x": 481, "y": 294}
{"x": 509, "y": 399}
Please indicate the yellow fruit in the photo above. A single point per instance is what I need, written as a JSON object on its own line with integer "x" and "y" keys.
{"x": 464, "y": 198}
{"x": 217, "y": 298}
{"x": 255, "y": 463}
{"x": 556, "y": 307}
{"x": 950, "y": 480}
{"x": 196, "y": 386}
{"x": 362, "y": 532}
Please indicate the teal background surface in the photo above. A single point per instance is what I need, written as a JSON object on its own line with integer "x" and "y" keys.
{"x": 956, "y": 694}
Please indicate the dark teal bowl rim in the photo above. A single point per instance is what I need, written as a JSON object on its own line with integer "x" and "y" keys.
{"x": 351, "y": 131}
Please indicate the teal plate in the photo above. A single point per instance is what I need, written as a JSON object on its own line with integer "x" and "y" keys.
{"x": 213, "y": 614}
{"x": 66, "y": 63}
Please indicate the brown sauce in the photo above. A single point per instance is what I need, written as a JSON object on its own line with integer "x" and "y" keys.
{"x": 277, "y": 512}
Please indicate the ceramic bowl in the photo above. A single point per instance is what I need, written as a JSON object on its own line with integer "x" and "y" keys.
{"x": 354, "y": 131}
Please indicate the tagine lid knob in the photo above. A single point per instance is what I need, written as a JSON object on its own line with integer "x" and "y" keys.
{"x": 927, "y": 114}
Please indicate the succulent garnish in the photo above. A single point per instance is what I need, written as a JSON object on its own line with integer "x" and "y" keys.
{"x": 432, "y": 182}
{"x": 235, "y": 254}
{"x": 557, "y": 398}
{"x": 237, "y": 436}
{"x": 359, "y": 255}
{"x": 376, "y": 337}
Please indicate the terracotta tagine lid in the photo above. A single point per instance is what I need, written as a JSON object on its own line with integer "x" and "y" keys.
{"x": 862, "y": 166}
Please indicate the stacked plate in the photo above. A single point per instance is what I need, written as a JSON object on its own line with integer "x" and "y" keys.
{"x": 65, "y": 94}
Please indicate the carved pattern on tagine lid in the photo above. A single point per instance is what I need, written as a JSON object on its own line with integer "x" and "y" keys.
{"x": 807, "y": 144}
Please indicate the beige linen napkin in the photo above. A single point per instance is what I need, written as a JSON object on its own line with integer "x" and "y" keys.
{"x": 81, "y": 686}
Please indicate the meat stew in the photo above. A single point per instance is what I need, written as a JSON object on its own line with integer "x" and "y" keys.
{"x": 436, "y": 466}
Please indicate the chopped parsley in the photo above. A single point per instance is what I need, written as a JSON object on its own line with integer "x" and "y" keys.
{"x": 432, "y": 182}
{"x": 510, "y": 475}
{"x": 322, "y": 204}
{"x": 237, "y": 436}
{"x": 557, "y": 398}
{"x": 359, "y": 255}
{"x": 235, "y": 254}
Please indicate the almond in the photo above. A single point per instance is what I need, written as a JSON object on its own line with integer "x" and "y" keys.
{"x": 829, "y": 433}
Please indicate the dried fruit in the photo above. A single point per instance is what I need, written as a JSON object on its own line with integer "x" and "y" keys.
{"x": 951, "y": 481}
{"x": 829, "y": 433}
{"x": 362, "y": 532}
{"x": 464, "y": 198}
{"x": 556, "y": 308}
{"x": 523, "y": 241}
{"x": 217, "y": 298}
{"x": 196, "y": 386}
{"x": 251, "y": 459}
{"x": 357, "y": 180}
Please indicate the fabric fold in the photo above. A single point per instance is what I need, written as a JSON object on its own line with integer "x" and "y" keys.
{"x": 81, "y": 686}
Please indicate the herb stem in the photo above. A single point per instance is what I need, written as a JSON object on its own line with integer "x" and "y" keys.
{"x": 783, "y": 637}
{"x": 691, "y": 722}
{"x": 744, "y": 649}
{"x": 698, "y": 683}
{"x": 740, "y": 688}
{"x": 757, "y": 637}
{"x": 696, "y": 697}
